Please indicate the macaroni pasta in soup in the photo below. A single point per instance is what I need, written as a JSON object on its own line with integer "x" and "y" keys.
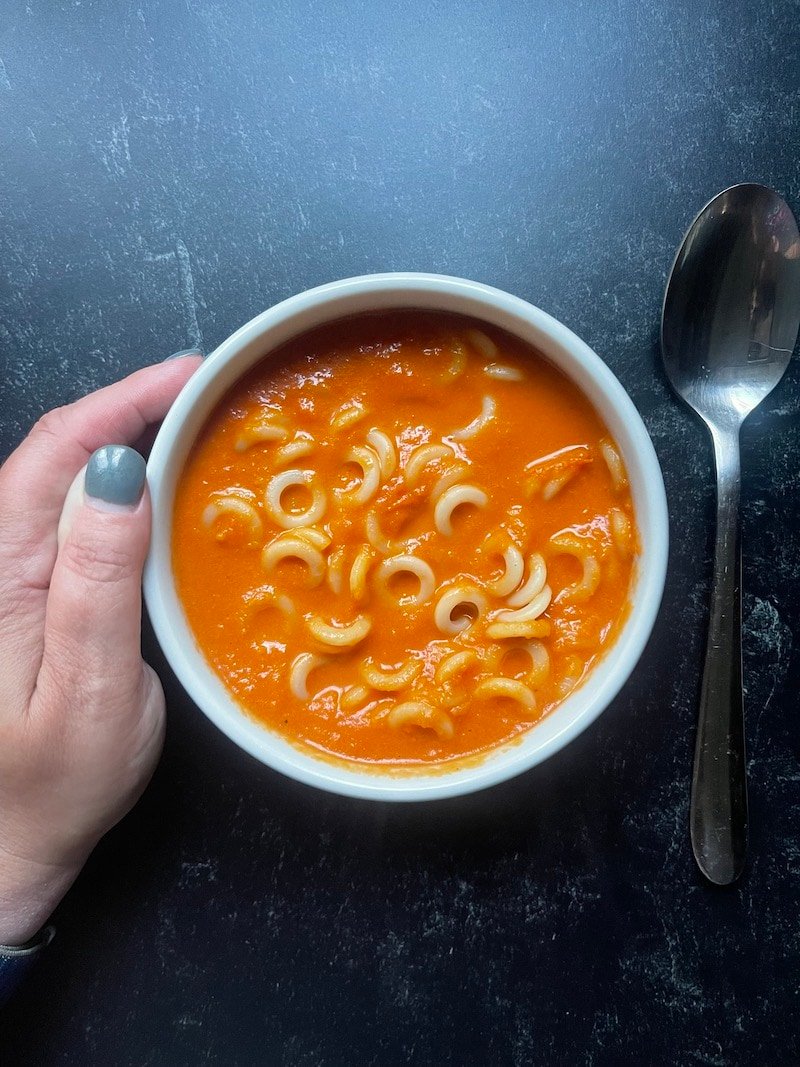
{"x": 403, "y": 539}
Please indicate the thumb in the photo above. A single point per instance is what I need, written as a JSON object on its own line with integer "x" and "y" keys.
{"x": 93, "y": 617}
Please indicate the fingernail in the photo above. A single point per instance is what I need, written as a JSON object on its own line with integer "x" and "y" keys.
{"x": 186, "y": 352}
{"x": 115, "y": 475}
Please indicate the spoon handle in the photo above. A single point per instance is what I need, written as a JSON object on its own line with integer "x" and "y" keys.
{"x": 718, "y": 811}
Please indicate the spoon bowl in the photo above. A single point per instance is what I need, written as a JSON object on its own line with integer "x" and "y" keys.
{"x": 729, "y": 326}
{"x": 732, "y": 305}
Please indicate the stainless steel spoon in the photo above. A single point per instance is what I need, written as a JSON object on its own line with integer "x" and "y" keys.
{"x": 729, "y": 326}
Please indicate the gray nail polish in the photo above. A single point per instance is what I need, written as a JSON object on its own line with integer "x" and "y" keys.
{"x": 186, "y": 352}
{"x": 115, "y": 474}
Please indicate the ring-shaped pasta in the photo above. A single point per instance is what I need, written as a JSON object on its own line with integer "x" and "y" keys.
{"x": 335, "y": 574}
{"x": 549, "y": 474}
{"x": 587, "y": 585}
{"x": 573, "y": 674}
{"x": 512, "y": 576}
{"x": 338, "y": 637}
{"x": 537, "y": 577}
{"x": 540, "y": 663}
{"x": 421, "y": 713}
{"x": 509, "y": 688}
{"x": 302, "y": 445}
{"x": 234, "y": 507}
{"x": 354, "y": 697}
{"x": 451, "y": 666}
{"x": 482, "y": 342}
{"x": 453, "y": 498}
{"x": 501, "y": 373}
{"x": 318, "y": 538}
{"x": 536, "y": 652}
{"x": 621, "y": 532}
{"x": 266, "y": 427}
{"x": 571, "y": 545}
{"x": 348, "y": 415}
{"x": 488, "y": 409}
{"x": 458, "y": 361}
{"x": 447, "y": 671}
{"x": 302, "y": 666}
{"x": 375, "y": 535}
{"x": 421, "y": 457}
{"x": 278, "y": 485}
{"x": 555, "y": 485}
{"x": 358, "y": 572}
{"x": 267, "y": 596}
{"x": 388, "y": 568}
{"x": 619, "y": 479}
{"x": 292, "y": 547}
{"x": 455, "y": 473}
{"x": 506, "y": 631}
{"x": 367, "y": 459}
{"x": 532, "y": 610}
{"x": 390, "y": 681}
{"x": 457, "y": 596}
{"x": 385, "y": 450}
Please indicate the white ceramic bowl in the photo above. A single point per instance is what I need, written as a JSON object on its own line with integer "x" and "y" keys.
{"x": 377, "y": 292}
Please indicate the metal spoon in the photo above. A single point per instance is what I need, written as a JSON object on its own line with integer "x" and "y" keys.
{"x": 729, "y": 326}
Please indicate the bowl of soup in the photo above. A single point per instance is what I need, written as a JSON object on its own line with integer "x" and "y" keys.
{"x": 410, "y": 537}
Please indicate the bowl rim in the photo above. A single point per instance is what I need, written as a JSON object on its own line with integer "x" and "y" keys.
{"x": 255, "y": 340}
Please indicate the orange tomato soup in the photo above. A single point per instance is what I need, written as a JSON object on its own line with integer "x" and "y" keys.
{"x": 403, "y": 539}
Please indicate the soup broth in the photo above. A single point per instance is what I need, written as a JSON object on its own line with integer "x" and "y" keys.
{"x": 403, "y": 539}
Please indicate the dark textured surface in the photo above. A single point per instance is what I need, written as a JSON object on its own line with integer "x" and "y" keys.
{"x": 169, "y": 169}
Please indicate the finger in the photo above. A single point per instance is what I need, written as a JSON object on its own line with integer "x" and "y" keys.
{"x": 92, "y": 630}
{"x": 24, "y": 638}
{"x": 25, "y": 642}
{"x": 35, "y": 479}
{"x": 72, "y": 503}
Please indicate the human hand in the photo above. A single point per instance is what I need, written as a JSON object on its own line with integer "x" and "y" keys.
{"x": 81, "y": 715}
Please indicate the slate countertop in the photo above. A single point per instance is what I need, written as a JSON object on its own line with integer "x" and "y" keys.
{"x": 169, "y": 169}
